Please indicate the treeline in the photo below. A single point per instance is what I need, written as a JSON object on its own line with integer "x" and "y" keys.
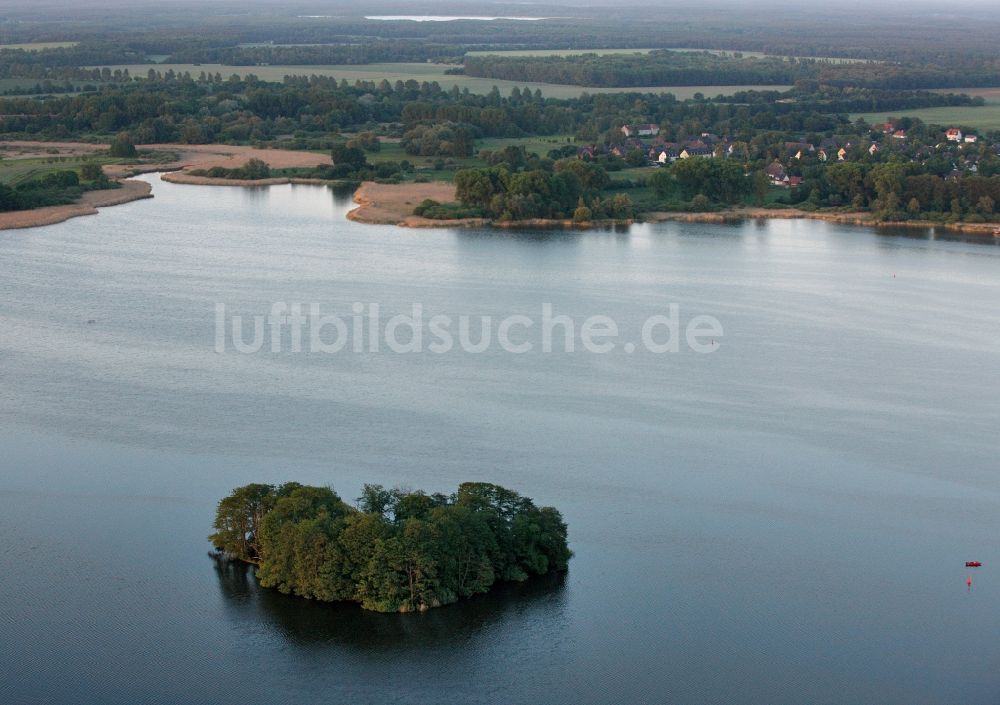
{"x": 705, "y": 182}
{"x": 396, "y": 551}
{"x": 899, "y": 190}
{"x": 657, "y": 68}
{"x": 689, "y": 68}
{"x": 369, "y": 52}
{"x": 252, "y": 170}
{"x": 67, "y": 62}
{"x": 439, "y": 140}
{"x": 565, "y": 189}
{"x": 809, "y": 95}
{"x": 54, "y": 189}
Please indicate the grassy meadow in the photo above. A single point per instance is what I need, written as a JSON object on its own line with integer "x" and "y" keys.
{"x": 984, "y": 118}
{"x": 16, "y": 171}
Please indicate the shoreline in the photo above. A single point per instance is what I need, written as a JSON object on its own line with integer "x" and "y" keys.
{"x": 392, "y": 204}
{"x": 87, "y": 205}
{"x": 380, "y": 204}
{"x": 859, "y": 218}
{"x": 183, "y": 177}
{"x": 188, "y": 157}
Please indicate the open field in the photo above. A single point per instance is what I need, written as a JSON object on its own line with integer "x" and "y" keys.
{"x": 14, "y": 172}
{"x": 425, "y": 72}
{"x": 984, "y": 118}
{"x": 38, "y": 46}
{"x": 25, "y": 161}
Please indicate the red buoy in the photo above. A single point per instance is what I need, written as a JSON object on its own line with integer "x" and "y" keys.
{"x": 973, "y": 564}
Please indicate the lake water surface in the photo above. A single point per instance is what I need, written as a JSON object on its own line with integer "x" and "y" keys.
{"x": 784, "y": 520}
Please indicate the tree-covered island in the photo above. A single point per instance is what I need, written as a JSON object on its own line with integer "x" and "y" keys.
{"x": 397, "y": 551}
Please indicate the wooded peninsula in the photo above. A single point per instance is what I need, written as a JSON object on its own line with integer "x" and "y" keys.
{"x": 396, "y": 551}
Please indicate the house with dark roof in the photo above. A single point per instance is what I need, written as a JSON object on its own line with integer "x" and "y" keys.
{"x": 695, "y": 148}
{"x": 776, "y": 173}
{"x": 646, "y": 130}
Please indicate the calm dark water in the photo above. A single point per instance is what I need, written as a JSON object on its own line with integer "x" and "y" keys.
{"x": 785, "y": 520}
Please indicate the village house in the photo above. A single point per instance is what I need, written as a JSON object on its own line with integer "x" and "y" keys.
{"x": 776, "y": 173}
{"x": 954, "y": 135}
{"x": 971, "y": 139}
{"x": 696, "y": 148}
{"x": 668, "y": 152}
{"x": 899, "y": 135}
{"x": 647, "y": 130}
{"x": 797, "y": 150}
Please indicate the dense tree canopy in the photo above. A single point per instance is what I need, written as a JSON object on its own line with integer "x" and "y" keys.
{"x": 398, "y": 550}
{"x": 688, "y": 68}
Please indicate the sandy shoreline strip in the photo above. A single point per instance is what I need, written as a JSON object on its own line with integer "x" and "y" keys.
{"x": 393, "y": 204}
{"x": 206, "y": 156}
{"x": 87, "y": 205}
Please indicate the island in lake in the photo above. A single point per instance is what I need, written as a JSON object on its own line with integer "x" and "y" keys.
{"x": 397, "y": 551}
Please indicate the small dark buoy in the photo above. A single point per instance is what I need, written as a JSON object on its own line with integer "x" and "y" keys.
{"x": 973, "y": 564}
{"x": 91, "y": 321}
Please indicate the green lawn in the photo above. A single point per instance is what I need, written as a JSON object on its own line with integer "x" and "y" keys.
{"x": 15, "y": 171}
{"x": 984, "y": 118}
{"x": 425, "y": 72}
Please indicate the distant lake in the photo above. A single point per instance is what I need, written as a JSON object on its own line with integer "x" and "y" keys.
{"x": 448, "y": 18}
{"x": 782, "y": 521}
